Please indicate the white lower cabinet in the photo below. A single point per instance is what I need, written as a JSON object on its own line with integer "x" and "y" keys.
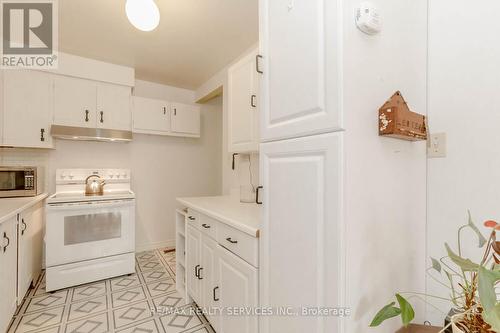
{"x": 20, "y": 259}
{"x": 30, "y": 237}
{"x": 8, "y": 272}
{"x": 218, "y": 280}
{"x": 301, "y": 227}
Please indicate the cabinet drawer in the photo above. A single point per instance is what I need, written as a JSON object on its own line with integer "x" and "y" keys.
{"x": 192, "y": 218}
{"x": 208, "y": 225}
{"x": 241, "y": 244}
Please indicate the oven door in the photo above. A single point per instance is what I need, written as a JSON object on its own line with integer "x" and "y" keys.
{"x": 89, "y": 230}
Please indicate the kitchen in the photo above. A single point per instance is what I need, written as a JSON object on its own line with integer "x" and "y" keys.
{"x": 220, "y": 166}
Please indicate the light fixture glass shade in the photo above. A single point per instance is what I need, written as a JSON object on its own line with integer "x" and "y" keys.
{"x": 143, "y": 14}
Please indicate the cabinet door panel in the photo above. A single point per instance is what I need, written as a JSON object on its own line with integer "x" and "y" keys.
{"x": 193, "y": 263}
{"x": 185, "y": 119}
{"x": 150, "y": 116}
{"x": 74, "y": 102}
{"x": 8, "y": 272}
{"x": 25, "y": 254}
{"x": 237, "y": 283}
{"x": 27, "y": 109}
{"x": 300, "y": 88}
{"x": 301, "y": 226}
{"x": 113, "y": 107}
{"x": 209, "y": 283}
{"x": 243, "y": 116}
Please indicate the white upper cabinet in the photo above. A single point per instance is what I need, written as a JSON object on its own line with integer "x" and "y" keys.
{"x": 27, "y": 106}
{"x": 300, "y": 227}
{"x": 150, "y": 116}
{"x": 300, "y": 88}
{"x": 154, "y": 116}
{"x": 185, "y": 119}
{"x": 85, "y": 103}
{"x": 243, "y": 111}
{"x": 74, "y": 102}
{"x": 113, "y": 107}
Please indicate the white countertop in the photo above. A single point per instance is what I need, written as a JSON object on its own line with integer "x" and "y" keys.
{"x": 9, "y": 207}
{"x": 242, "y": 216}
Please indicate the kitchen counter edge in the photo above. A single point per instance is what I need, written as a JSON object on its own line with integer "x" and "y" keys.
{"x": 24, "y": 203}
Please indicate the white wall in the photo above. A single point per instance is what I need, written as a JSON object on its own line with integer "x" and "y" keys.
{"x": 464, "y": 85}
{"x": 231, "y": 179}
{"x": 162, "y": 168}
{"x": 384, "y": 208}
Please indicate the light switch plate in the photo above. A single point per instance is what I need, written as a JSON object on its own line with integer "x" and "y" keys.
{"x": 437, "y": 145}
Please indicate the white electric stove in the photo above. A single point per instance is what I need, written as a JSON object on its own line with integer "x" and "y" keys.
{"x": 89, "y": 238}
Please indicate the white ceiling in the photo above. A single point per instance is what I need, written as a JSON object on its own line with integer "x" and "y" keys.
{"x": 195, "y": 38}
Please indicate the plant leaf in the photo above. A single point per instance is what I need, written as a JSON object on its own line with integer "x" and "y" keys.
{"x": 480, "y": 236}
{"x": 496, "y": 246}
{"x": 387, "y": 312}
{"x": 407, "y": 312}
{"x": 453, "y": 292}
{"x": 492, "y": 317}
{"x": 464, "y": 264}
{"x": 486, "y": 287}
{"x": 436, "y": 265}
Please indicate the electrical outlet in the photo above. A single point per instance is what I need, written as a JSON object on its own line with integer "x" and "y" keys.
{"x": 437, "y": 145}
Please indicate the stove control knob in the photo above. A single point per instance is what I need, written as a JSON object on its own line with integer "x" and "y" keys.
{"x": 124, "y": 175}
{"x": 117, "y": 175}
{"x": 111, "y": 175}
{"x": 63, "y": 175}
{"x": 71, "y": 176}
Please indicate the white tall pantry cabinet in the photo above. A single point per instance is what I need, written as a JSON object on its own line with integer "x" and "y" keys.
{"x": 301, "y": 163}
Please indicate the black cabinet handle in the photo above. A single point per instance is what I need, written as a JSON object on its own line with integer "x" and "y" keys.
{"x": 191, "y": 218}
{"x": 252, "y": 101}
{"x": 164, "y": 110}
{"x": 196, "y": 271}
{"x": 42, "y": 133}
{"x": 24, "y": 226}
{"x": 215, "y": 298}
{"x": 86, "y": 115}
{"x": 175, "y": 111}
{"x": 257, "y": 67}
{"x": 257, "y": 201}
{"x": 102, "y": 116}
{"x": 206, "y": 226}
{"x": 199, "y": 273}
{"x": 231, "y": 241}
{"x": 8, "y": 241}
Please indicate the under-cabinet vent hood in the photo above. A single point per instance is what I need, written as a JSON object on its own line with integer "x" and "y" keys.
{"x": 90, "y": 134}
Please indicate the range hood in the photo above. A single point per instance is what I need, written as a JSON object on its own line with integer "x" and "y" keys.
{"x": 89, "y": 134}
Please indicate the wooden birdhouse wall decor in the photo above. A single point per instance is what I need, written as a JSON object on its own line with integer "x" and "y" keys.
{"x": 397, "y": 121}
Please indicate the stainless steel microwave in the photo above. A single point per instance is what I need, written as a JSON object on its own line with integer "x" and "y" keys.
{"x": 20, "y": 181}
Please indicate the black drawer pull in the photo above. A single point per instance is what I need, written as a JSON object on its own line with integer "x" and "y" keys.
{"x": 206, "y": 226}
{"x": 196, "y": 271}
{"x": 199, "y": 273}
{"x": 8, "y": 241}
{"x": 215, "y": 298}
{"x": 257, "y": 196}
{"x": 231, "y": 241}
{"x": 24, "y": 226}
{"x": 191, "y": 218}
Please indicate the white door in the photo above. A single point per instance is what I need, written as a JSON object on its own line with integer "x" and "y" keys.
{"x": 27, "y": 109}
{"x": 185, "y": 119}
{"x": 74, "y": 102}
{"x": 300, "y": 47}
{"x": 243, "y": 115}
{"x": 209, "y": 287}
{"x": 113, "y": 107}
{"x": 193, "y": 263}
{"x": 151, "y": 116}
{"x": 8, "y": 271}
{"x": 25, "y": 254}
{"x": 299, "y": 245}
{"x": 238, "y": 288}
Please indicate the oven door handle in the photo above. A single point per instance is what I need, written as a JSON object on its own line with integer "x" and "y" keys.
{"x": 89, "y": 205}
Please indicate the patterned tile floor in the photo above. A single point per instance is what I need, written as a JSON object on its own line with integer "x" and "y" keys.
{"x": 121, "y": 304}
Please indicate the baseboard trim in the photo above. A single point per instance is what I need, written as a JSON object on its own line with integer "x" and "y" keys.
{"x": 153, "y": 246}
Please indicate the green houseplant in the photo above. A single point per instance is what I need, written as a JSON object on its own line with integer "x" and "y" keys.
{"x": 471, "y": 286}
